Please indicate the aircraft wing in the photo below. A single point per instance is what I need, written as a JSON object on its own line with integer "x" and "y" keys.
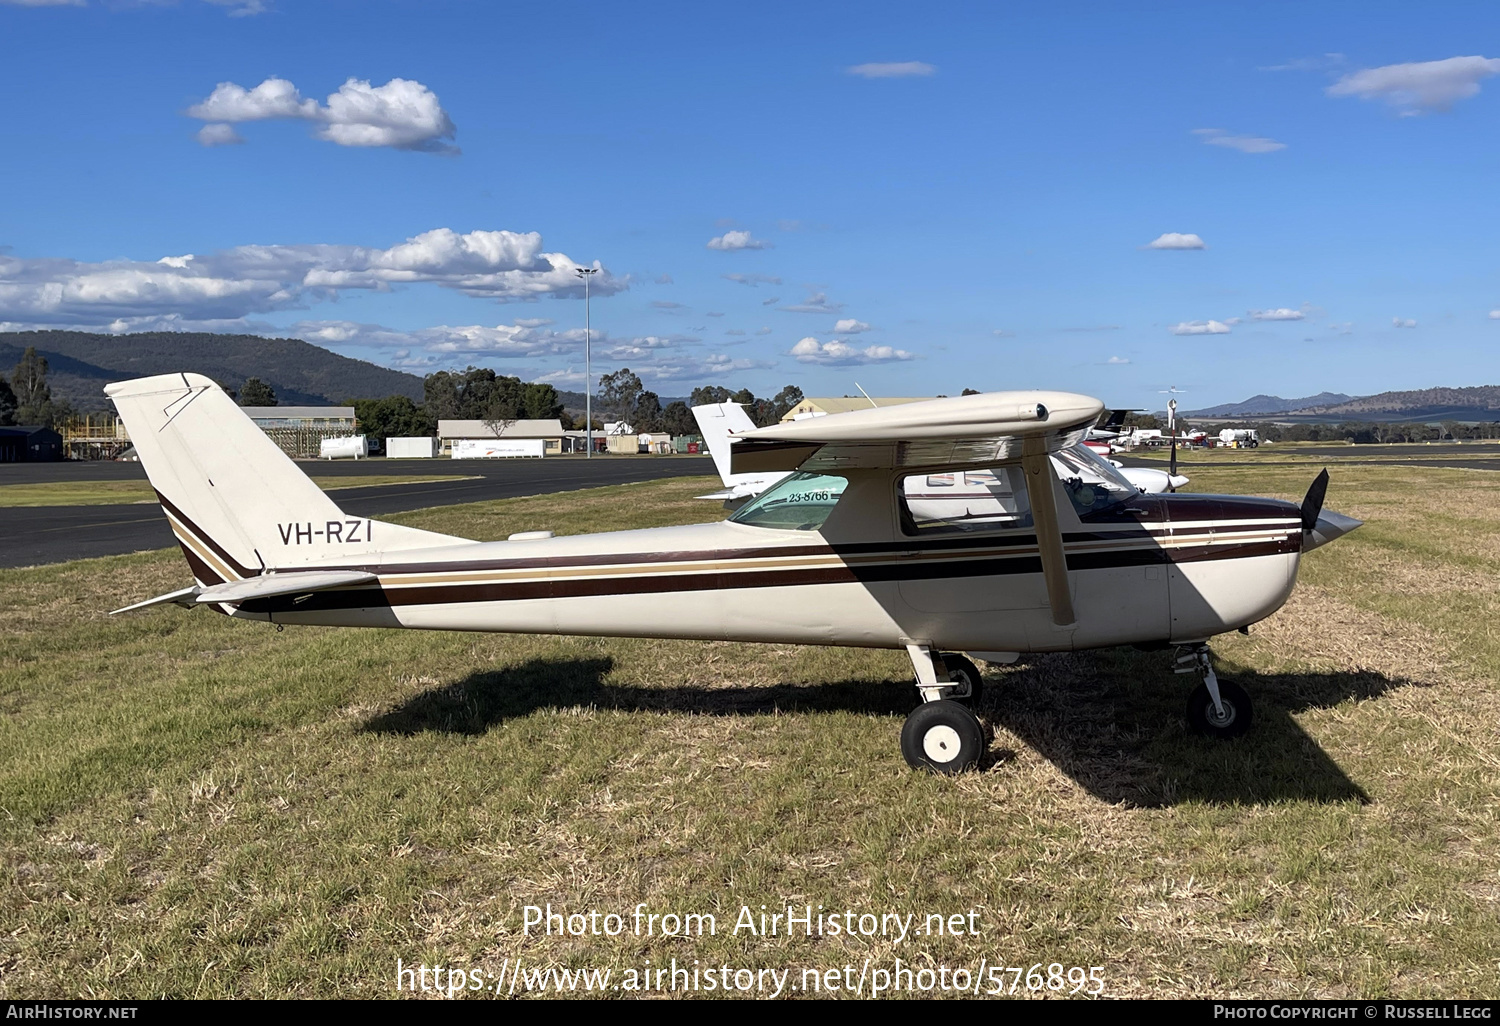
{"x": 264, "y": 586}
{"x": 983, "y": 430}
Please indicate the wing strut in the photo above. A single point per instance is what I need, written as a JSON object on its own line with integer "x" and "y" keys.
{"x": 1038, "y": 467}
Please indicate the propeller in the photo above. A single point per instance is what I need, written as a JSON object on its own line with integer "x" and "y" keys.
{"x": 1312, "y": 502}
{"x": 1172, "y": 429}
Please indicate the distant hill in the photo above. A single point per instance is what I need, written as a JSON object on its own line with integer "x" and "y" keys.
{"x": 1428, "y": 405}
{"x": 1425, "y": 404}
{"x": 1263, "y": 405}
{"x": 80, "y": 364}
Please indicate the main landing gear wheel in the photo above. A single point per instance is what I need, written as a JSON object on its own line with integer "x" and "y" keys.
{"x": 965, "y": 675}
{"x": 942, "y": 736}
{"x": 1205, "y": 719}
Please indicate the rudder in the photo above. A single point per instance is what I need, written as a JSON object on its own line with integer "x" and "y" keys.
{"x": 236, "y": 502}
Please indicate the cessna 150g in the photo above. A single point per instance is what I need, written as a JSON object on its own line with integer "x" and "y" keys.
{"x": 833, "y": 554}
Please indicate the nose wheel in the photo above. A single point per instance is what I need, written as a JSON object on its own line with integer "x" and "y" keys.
{"x": 1216, "y": 708}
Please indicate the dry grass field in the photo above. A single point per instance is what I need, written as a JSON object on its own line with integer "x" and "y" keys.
{"x": 194, "y": 806}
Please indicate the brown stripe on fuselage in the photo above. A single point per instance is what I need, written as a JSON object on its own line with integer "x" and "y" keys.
{"x": 890, "y": 571}
{"x": 206, "y": 538}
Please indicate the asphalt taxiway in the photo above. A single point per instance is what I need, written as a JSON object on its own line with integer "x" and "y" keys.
{"x": 32, "y": 535}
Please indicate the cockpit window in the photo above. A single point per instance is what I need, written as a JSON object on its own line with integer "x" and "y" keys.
{"x": 996, "y": 499}
{"x": 1092, "y": 482}
{"x": 801, "y": 502}
{"x": 972, "y": 500}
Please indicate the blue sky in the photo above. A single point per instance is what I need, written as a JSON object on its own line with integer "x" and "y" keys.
{"x": 917, "y": 198}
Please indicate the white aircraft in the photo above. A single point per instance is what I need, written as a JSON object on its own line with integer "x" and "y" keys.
{"x": 721, "y": 423}
{"x": 834, "y": 554}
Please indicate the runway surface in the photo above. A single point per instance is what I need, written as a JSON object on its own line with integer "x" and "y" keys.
{"x": 31, "y": 535}
{"x": 1457, "y": 455}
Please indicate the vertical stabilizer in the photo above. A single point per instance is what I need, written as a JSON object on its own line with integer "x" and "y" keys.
{"x": 236, "y": 502}
{"x": 716, "y": 421}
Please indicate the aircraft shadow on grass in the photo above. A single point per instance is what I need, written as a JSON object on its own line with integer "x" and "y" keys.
{"x": 1113, "y": 720}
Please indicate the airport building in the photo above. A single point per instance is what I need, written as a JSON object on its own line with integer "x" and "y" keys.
{"x": 301, "y": 430}
{"x": 29, "y": 443}
{"x": 549, "y": 432}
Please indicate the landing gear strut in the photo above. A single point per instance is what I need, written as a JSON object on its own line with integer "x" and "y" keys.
{"x": 1216, "y": 708}
{"x": 943, "y": 734}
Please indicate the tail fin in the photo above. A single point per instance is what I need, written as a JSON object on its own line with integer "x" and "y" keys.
{"x": 236, "y": 502}
{"x": 716, "y": 421}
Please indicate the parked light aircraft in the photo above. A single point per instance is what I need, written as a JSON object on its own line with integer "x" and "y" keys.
{"x": 721, "y": 423}
{"x": 833, "y": 554}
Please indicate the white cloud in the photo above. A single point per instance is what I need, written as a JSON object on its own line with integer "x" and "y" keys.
{"x": 817, "y": 303}
{"x": 1117, "y": 360}
{"x": 753, "y": 279}
{"x": 1176, "y": 240}
{"x": 734, "y": 240}
{"x": 1002, "y": 333}
{"x": 1279, "y": 314}
{"x": 222, "y": 288}
{"x": 534, "y": 322}
{"x": 1495, "y": 315}
{"x": 1323, "y": 63}
{"x": 219, "y": 134}
{"x": 763, "y": 331}
{"x": 502, "y": 341}
{"x": 1421, "y": 86}
{"x": 402, "y": 114}
{"x": 839, "y": 353}
{"x": 664, "y": 279}
{"x": 1403, "y": 322}
{"x": 273, "y": 98}
{"x": 895, "y": 69}
{"x": 697, "y": 369}
{"x": 1200, "y": 328}
{"x": 1243, "y": 143}
{"x": 242, "y": 8}
{"x": 849, "y": 326}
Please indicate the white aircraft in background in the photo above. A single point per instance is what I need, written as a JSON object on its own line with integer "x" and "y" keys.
{"x": 721, "y": 423}
{"x": 833, "y": 554}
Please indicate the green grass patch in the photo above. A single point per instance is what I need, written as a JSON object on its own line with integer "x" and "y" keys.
{"x": 197, "y": 806}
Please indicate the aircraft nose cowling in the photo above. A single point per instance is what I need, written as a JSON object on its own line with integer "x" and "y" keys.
{"x": 1330, "y": 526}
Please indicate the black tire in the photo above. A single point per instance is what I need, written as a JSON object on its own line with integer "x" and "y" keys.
{"x": 1239, "y": 714}
{"x": 965, "y": 674}
{"x": 943, "y": 737}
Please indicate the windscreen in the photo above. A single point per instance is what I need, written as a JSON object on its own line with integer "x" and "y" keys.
{"x": 1092, "y": 482}
{"x": 800, "y": 502}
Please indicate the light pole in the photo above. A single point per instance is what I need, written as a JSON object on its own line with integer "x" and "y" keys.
{"x": 587, "y": 273}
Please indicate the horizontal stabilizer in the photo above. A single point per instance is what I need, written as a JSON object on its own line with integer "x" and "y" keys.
{"x": 264, "y": 586}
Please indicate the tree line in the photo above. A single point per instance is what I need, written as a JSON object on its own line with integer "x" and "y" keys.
{"x": 625, "y": 398}
{"x": 27, "y": 398}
